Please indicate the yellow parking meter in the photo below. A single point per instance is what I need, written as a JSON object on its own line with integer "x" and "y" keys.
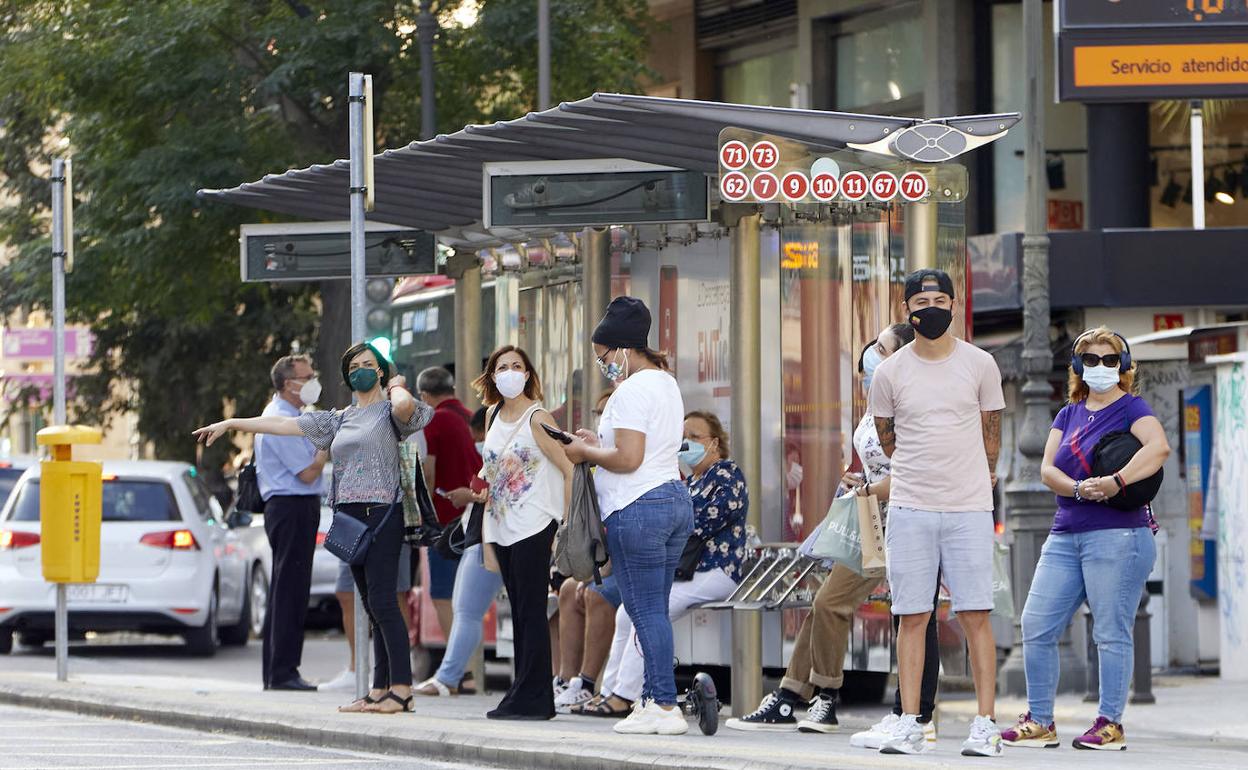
{"x": 70, "y": 505}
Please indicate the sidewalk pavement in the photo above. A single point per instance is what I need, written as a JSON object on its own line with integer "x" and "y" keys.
{"x": 1196, "y": 723}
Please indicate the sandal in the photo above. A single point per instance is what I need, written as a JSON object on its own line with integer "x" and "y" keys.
{"x": 359, "y": 705}
{"x": 405, "y": 704}
{"x": 603, "y": 708}
{"x": 433, "y": 688}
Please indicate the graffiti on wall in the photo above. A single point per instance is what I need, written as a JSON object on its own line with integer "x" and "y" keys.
{"x": 1231, "y": 447}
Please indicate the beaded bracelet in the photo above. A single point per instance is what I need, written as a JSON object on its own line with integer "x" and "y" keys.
{"x": 1078, "y": 497}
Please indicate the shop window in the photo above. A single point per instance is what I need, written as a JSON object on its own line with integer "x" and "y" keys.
{"x": 1065, "y": 131}
{"x": 877, "y": 62}
{"x": 763, "y": 77}
{"x": 1226, "y": 164}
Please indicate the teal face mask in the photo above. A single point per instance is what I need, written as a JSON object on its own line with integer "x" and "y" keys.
{"x": 362, "y": 380}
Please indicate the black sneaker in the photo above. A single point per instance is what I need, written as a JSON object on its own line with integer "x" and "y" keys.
{"x": 775, "y": 713}
{"x": 821, "y": 716}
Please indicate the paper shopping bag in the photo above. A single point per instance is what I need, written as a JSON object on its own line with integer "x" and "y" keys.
{"x": 871, "y": 536}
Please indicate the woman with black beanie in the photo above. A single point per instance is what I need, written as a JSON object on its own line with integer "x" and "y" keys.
{"x": 646, "y": 507}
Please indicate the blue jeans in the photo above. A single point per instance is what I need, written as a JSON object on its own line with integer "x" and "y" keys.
{"x": 475, "y": 588}
{"x": 1108, "y": 568}
{"x": 645, "y": 539}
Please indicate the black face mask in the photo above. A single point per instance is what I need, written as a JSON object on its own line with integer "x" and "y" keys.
{"x": 931, "y": 322}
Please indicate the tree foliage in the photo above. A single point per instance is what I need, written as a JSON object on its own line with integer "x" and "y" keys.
{"x": 156, "y": 98}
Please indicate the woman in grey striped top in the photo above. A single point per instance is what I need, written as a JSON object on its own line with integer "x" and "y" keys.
{"x": 362, "y": 441}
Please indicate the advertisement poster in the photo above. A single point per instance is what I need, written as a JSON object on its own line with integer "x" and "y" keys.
{"x": 668, "y": 313}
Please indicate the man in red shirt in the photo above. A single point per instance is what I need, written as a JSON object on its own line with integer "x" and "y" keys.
{"x": 452, "y": 461}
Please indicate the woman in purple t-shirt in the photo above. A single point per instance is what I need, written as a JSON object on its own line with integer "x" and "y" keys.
{"x": 1094, "y": 552}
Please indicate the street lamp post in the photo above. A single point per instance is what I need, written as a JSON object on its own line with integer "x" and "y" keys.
{"x": 1031, "y": 503}
{"x": 426, "y": 31}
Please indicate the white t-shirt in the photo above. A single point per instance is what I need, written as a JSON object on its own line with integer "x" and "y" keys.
{"x": 526, "y": 488}
{"x": 648, "y": 402}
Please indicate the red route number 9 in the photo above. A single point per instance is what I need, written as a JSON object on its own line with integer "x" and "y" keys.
{"x": 734, "y": 186}
{"x": 884, "y": 186}
{"x": 764, "y": 155}
{"x": 795, "y": 185}
{"x": 824, "y": 187}
{"x": 854, "y": 186}
{"x": 734, "y": 155}
{"x": 913, "y": 186}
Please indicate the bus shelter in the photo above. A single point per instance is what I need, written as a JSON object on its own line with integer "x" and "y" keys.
{"x": 770, "y": 244}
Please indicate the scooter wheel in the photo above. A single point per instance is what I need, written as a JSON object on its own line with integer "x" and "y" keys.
{"x": 706, "y": 701}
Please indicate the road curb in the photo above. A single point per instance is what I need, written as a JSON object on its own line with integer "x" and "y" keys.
{"x": 427, "y": 744}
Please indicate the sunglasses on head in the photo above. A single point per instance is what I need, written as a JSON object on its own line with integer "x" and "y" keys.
{"x": 1092, "y": 359}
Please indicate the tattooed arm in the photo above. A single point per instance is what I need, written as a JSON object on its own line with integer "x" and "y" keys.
{"x": 884, "y": 428}
{"x": 992, "y": 440}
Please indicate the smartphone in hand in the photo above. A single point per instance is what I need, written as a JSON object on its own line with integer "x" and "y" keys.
{"x": 557, "y": 434}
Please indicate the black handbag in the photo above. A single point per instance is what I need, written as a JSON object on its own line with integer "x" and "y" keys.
{"x": 1112, "y": 453}
{"x": 349, "y": 538}
{"x": 249, "y": 499}
{"x": 690, "y": 558}
{"x": 461, "y": 534}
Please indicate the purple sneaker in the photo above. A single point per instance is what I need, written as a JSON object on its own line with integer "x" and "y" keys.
{"x": 1103, "y": 735}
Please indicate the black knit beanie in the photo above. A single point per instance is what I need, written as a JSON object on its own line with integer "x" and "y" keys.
{"x": 626, "y": 324}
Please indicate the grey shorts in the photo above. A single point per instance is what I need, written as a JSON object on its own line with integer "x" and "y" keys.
{"x": 346, "y": 583}
{"x": 920, "y": 545}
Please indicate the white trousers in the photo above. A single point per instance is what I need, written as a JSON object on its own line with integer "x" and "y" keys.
{"x": 625, "y": 667}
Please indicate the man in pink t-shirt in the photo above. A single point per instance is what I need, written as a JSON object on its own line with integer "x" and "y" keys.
{"x": 937, "y": 404}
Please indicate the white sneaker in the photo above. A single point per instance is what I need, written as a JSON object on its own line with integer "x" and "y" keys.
{"x": 575, "y": 694}
{"x": 872, "y": 737}
{"x": 653, "y": 719}
{"x": 906, "y": 737}
{"x": 984, "y": 740}
{"x": 875, "y": 735}
{"x": 344, "y": 681}
{"x": 559, "y": 686}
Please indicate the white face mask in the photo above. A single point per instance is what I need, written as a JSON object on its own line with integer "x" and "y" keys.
{"x": 511, "y": 383}
{"x": 310, "y": 392}
{"x": 1101, "y": 379}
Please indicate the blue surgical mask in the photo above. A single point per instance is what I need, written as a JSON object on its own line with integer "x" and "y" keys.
{"x": 1101, "y": 379}
{"x": 362, "y": 380}
{"x": 613, "y": 371}
{"x": 693, "y": 455}
{"x": 870, "y": 361}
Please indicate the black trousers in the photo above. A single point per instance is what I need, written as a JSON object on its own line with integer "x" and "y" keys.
{"x": 525, "y": 567}
{"x": 378, "y": 581}
{"x": 290, "y": 522}
{"x": 931, "y": 665}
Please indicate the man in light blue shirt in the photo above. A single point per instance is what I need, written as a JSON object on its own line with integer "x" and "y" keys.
{"x": 288, "y": 469}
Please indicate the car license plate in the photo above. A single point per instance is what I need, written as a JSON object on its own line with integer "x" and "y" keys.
{"x": 94, "y": 592}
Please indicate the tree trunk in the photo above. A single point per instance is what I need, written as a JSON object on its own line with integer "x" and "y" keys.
{"x": 333, "y": 340}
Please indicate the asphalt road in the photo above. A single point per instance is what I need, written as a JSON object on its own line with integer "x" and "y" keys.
{"x": 35, "y": 739}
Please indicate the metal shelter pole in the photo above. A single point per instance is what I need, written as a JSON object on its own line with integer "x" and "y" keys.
{"x": 356, "y": 107}
{"x": 543, "y": 54}
{"x": 595, "y": 248}
{"x": 1031, "y": 503}
{"x": 426, "y": 31}
{"x": 59, "y": 250}
{"x": 1198, "y": 165}
{"x": 745, "y": 361}
{"x": 467, "y": 334}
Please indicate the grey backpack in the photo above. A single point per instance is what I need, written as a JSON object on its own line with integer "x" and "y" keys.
{"x": 581, "y": 545}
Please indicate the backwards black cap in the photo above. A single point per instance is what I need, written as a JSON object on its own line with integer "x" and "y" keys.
{"x": 928, "y": 279}
{"x": 626, "y": 324}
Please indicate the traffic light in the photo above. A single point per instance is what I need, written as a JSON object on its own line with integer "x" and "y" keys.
{"x": 377, "y": 318}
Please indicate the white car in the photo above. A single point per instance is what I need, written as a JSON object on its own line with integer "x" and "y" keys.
{"x": 11, "y": 469}
{"x": 168, "y": 563}
{"x": 321, "y": 600}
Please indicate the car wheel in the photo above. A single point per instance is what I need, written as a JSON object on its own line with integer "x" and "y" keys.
{"x": 236, "y": 635}
{"x": 32, "y": 640}
{"x": 6, "y": 642}
{"x": 259, "y": 599}
{"x": 202, "y": 641}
